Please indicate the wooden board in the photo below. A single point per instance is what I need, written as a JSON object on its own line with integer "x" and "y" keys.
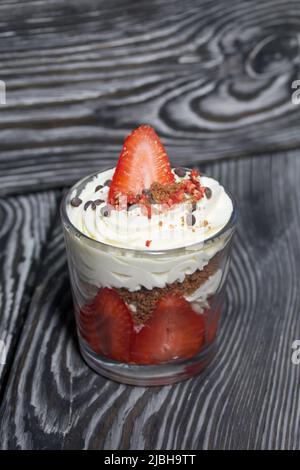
{"x": 214, "y": 78}
{"x": 247, "y": 398}
{"x": 25, "y": 222}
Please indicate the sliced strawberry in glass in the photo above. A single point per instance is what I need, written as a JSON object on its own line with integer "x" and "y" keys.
{"x": 174, "y": 331}
{"x": 107, "y": 326}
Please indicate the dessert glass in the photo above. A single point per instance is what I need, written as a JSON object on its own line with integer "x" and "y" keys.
{"x": 88, "y": 258}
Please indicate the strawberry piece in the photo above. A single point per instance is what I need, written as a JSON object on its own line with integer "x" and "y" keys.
{"x": 115, "y": 325}
{"x": 178, "y": 197}
{"x": 143, "y": 160}
{"x": 87, "y": 325}
{"x": 174, "y": 331}
{"x": 107, "y": 326}
{"x": 212, "y": 319}
{"x": 194, "y": 175}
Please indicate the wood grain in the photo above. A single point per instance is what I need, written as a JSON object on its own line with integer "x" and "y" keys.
{"x": 24, "y": 226}
{"x": 246, "y": 399}
{"x": 214, "y": 79}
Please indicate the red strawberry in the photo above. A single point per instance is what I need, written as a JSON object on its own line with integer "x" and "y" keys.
{"x": 194, "y": 175}
{"x": 143, "y": 161}
{"x": 109, "y": 329}
{"x": 174, "y": 331}
{"x": 87, "y": 325}
{"x": 212, "y": 319}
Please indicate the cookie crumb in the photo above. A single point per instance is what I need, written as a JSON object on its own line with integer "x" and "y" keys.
{"x": 145, "y": 300}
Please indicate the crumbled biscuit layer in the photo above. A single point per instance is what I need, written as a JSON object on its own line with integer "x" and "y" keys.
{"x": 143, "y": 301}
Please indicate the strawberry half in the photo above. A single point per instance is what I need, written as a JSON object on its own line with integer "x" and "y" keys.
{"x": 143, "y": 161}
{"x": 174, "y": 331}
{"x": 109, "y": 328}
{"x": 212, "y": 320}
{"x": 88, "y": 327}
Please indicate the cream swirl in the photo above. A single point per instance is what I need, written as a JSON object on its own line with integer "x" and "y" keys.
{"x": 165, "y": 229}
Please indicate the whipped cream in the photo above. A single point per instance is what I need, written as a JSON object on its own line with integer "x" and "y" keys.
{"x": 109, "y": 265}
{"x": 199, "y": 298}
{"x": 165, "y": 229}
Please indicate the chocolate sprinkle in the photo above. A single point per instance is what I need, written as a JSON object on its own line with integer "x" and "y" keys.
{"x": 105, "y": 211}
{"x": 87, "y": 204}
{"x": 147, "y": 192}
{"x": 149, "y": 195}
{"x": 181, "y": 172}
{"x": 76, "y": 201}
{"x": 107, "y": 183}
{"x": 208, "y": 192}
{"x": 190, "y": 220}
{"x": 98, "y": 202}
{"x": 98, "y": 188}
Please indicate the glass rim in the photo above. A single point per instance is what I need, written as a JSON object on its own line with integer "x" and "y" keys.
{"x": 68, "y": 224}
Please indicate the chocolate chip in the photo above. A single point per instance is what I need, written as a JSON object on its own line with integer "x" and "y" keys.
{"x": 208, "y": 192}
{"x": 105, "y": 211}
{"x": 190, "y": 219}
{"x": 131, "y": 207}
{"x": 107, "y": 183}
{"x": 87, "y": 204}
{"x": 149, "y": 196}
{"x": 98, "y": 202}
{"x": 181, "y": 172}
{"x": 76, "y": 201}
{"x": 98, "y": 188}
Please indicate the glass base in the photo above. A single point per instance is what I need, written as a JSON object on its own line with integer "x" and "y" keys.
{"x": 162, "y": 374}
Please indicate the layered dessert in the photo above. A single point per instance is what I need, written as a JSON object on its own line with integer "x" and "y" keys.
{"x": 148, "y": 256}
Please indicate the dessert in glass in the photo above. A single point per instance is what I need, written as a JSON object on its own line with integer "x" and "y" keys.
{"x": 148, "y": 252}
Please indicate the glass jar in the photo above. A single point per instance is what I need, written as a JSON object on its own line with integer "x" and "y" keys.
{"x": 181, "y": 287}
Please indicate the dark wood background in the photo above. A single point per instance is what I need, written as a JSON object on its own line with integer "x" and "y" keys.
{"x": 214, "y": 78}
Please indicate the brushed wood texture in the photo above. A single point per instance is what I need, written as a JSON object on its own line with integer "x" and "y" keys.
{"x": 214, "y": 78}
{"x": 247, "y": 398}
{"x": 24, "y": 226}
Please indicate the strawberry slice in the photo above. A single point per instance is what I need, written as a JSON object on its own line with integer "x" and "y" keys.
{"x": 143, "y": 161}
{"x": 212, "y": 319}
{"x": 87, "y": 325}
{"x": 174, "y": 331}
{"x": 108, "y": 326}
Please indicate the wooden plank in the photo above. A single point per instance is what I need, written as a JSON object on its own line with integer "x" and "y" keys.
{"x": 214, "y": 79}
{"x": 25, "y": 222}
{"x": 247, "y": 398}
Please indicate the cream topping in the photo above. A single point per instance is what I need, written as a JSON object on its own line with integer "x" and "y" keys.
{"x": 165, "y": 229}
